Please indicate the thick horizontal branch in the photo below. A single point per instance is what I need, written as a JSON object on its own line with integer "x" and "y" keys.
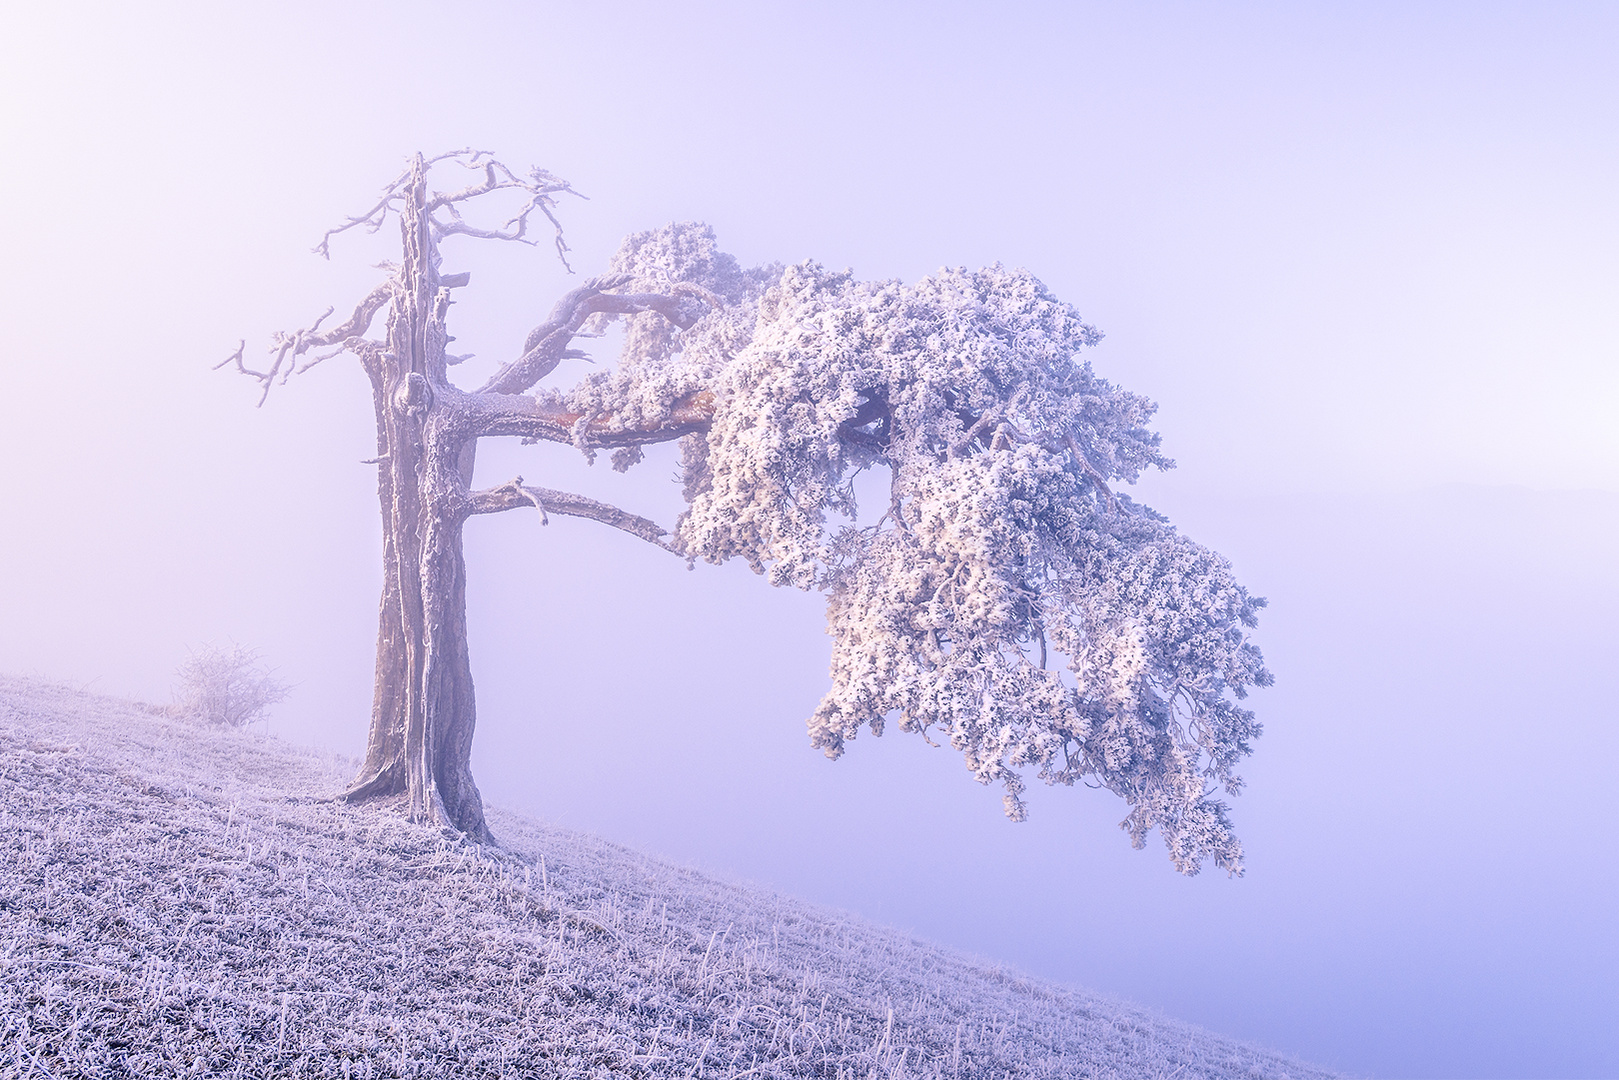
{"x": 548, "y": 343}
{"x": 483, "y": 415}
{"x": 516, "y": 494}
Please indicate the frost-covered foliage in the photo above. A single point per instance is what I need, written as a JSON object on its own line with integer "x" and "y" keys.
{"x": 184, "y": 903}
{"x": 226, "y": 685}
{"x": 1006, "y": 598}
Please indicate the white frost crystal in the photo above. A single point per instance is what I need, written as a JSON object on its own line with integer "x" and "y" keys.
{"x": 1006, "y": 599}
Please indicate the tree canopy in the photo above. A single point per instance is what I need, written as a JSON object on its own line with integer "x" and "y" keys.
{"x": 1009, "y": 600}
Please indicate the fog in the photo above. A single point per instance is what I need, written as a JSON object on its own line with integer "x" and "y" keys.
{"x": 1365, "y": 258}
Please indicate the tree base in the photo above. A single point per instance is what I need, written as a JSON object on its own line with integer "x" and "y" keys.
{"x": 388, "y": 791}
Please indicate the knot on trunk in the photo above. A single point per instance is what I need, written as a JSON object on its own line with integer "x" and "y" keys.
{"x": 413, "y": 396}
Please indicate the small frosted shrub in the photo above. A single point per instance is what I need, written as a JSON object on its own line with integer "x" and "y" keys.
{"x": 226, "y": 685}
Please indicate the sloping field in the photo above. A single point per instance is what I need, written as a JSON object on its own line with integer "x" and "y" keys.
{"x": 176, "y": 901}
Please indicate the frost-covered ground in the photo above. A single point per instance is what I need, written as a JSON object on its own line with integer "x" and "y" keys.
{"x": 176, "y": 901}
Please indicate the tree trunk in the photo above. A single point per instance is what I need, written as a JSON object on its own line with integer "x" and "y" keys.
{"x": 422, "y": 712}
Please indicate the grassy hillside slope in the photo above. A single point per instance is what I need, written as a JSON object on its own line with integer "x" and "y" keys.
{"x": 176, "y": 901}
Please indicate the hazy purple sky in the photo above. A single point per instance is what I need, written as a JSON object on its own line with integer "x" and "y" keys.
{"x": 1366, "y": 257}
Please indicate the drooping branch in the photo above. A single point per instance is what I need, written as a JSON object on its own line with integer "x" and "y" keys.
{"x": 289, "y": 347}
{"x": 516, "y": 494}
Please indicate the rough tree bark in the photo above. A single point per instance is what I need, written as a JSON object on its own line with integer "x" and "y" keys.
{"x": 423, "y": 709}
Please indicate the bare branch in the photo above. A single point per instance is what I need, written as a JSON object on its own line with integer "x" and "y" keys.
{"x": 306, "y": 365}
{"x": 289, "y": 347}
{"x": 515, "y": 488}
{"x": 497, "y": 176}
{"x": 236, "y": 358}
{"x": 479, "y": 161}
{"x": 540, "y": 186}
{"x": 485, "y": 414}
{"x": 547, "y": 344}
{"x": 373, "y": 218}
{"x": 516, "y": 494}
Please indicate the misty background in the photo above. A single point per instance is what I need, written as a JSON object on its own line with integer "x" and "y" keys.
{"x": 1364, "y": 256}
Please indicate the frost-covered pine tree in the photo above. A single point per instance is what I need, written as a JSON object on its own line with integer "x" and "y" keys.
{"x": 1007, "y": 600}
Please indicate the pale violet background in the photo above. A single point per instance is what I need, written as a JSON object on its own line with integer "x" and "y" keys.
{"x": 1365, "y": 256}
